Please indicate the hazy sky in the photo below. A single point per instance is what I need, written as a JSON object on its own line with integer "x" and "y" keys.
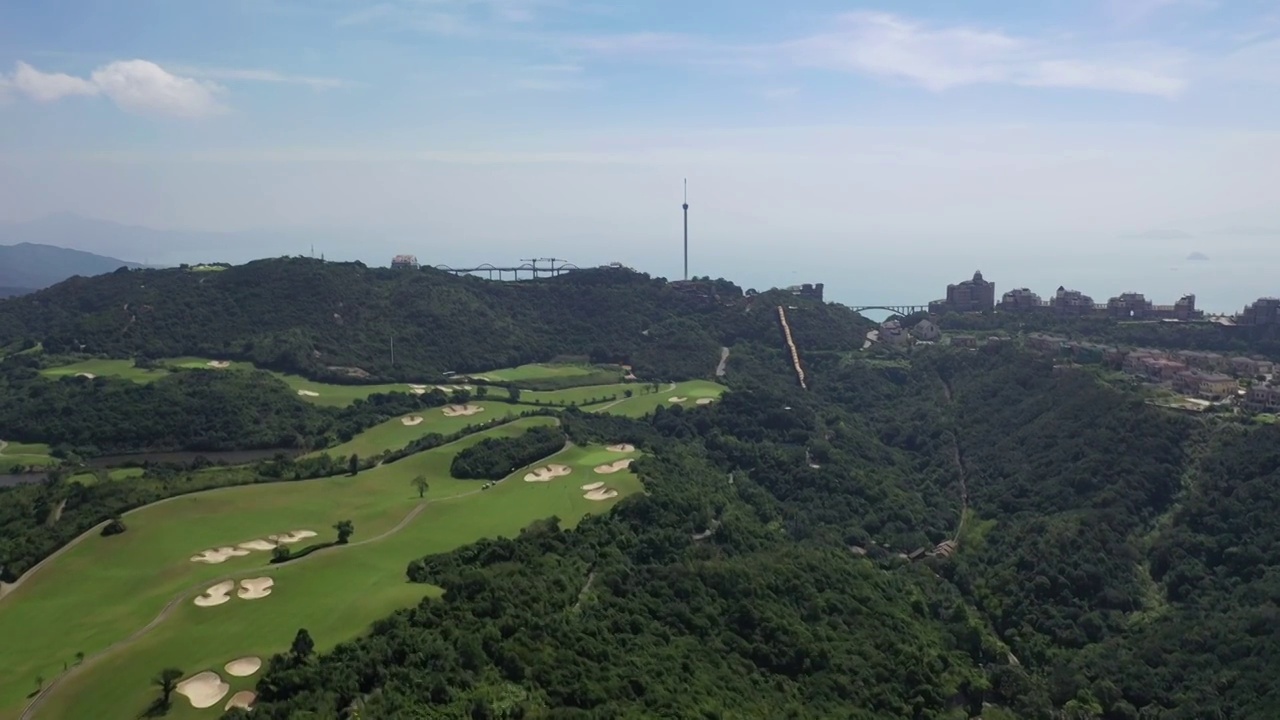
{"x": 497, "y": 128}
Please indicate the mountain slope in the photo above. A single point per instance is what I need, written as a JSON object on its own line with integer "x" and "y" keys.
{"x": 313, "y": 317}
{"x": 30, "y": 266}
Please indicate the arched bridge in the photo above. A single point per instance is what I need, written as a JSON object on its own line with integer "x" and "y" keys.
{"x": 895, "y": 309}
{"x": 532, "y": 268}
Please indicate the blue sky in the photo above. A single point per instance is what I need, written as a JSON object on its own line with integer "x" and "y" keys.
{"x": 493, "y": 125}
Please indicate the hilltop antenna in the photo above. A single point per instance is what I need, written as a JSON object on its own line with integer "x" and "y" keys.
{"x": 686, "y": 228}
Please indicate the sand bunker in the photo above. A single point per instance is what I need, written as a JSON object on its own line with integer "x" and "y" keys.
{"x": 243, "y": 667}
{"x": 417, "y": 387}
{"x": 600, "y": 494}
{"x": 243, "y": 699}
{"x": 418, "y": 391}
{"x": 676, "y": 399}
{"x": 547, "y": 473}
{"x": 218, "y": 364}
{"x": 460, "y": 410}
{"x": 216, "y": 595}
{"x": 218, "y": 555}
{"x": 308, "y": 393}
{"x": 255, "y": 588}
{"x": 593, "y": 486}
{"x": 614, "y": 467}
{"x": 86, "y": 375}
{"x": 203, "y": 690}
{"x": 705, "y": 401}
{"x": 622, "y": 448}
{"x": 411, "y": 421}
{"x": 260, "y": 545}
{"x": 292, "y": 537}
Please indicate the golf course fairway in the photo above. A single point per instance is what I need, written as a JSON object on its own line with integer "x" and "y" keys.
{"x": 104, "y": 590}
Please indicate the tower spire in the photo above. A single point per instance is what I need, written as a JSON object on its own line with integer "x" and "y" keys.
{"x": 686, "y": 228}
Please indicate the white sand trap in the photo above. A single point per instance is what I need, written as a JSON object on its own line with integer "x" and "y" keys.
{"x": 218, "y": 364}
{"x": 243, "y": 667}
{"x": 203, "y": 690}
{"x": 417, "y": 387}
{"x": 308, "y": 393}
{"x": 255, "y": 588}
{"x": 593, "y": 486}
{"x": 418, "y": 391}
{"x": 411, "y": 421}
{"x": 216, "y": 595}
{"x": 614, "y": 467}
{"x": 461, "y": 410}
{"x": 292, "y": 537}
{"x": 86, "y": 375}
{"x": 622, "y": 448}
{"x": 243, "y": 699}
{"x": 547, "y": 473}
{"x": 676, "y": 399}
{"x": 705, "y": 401}
{"x": 218, "y": 555}
{"x": 601, "y": 494}
{"x": 260, "y": 545}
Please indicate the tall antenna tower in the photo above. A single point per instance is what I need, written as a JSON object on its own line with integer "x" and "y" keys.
{"x": 686, "y": 228}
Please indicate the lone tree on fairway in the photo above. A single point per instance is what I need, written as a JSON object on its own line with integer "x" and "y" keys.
{"x": 303, "y": 645}
{"x": 280, "y": 553}
{"x": 513, "y": 394}
{"x": 344, "y": 528}
{"x": 167, "y": 681}
{"x": 482, "y": 392}
{"x": 420, "y": 483}
{"x": 353, "y": 465}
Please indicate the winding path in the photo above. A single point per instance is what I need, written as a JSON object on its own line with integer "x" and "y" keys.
{"x": 724, "y": 358}
{"x": 36, "y": 702}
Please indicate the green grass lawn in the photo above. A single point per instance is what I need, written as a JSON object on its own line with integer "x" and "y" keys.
{"x": 641, "y": 405}
{"x": 538, "y": 371}
{"x": 106, "y": 368}
{"x": 394, "y": 434}
{"x": 124, "y": 473}
{"x": 335, "y": 593}
{"x": 580, "y": 395}
{"x": 26, "y": 455}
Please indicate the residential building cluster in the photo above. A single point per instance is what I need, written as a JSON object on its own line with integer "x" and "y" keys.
{"x": 1206, "y": 375}
{"x": 979, "y": 295}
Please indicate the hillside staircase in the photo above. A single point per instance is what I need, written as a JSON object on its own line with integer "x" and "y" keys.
{"x": 791, "y": 346}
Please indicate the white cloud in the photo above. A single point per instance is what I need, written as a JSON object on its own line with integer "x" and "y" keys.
{"x": 47, "y": 87}
{"x": 136, "y": 86}
{"x": 885, "y": 45}
{"x": 265, "y": 76}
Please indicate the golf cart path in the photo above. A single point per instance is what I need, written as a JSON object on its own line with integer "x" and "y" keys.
{"x": 34, "y": 705}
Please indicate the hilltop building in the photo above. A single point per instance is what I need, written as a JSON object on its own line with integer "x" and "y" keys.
{"x": 405, "y": 262}
{"x": 1266, "y": 311}
{"x": 1020, "y": 299}
{"x": 1071, "y": 302}
{"x": 810, "y": 291}
{"x": 975, "y": 295}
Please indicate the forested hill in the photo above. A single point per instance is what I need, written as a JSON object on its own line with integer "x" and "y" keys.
{"x": 791, "y": 558}
{"x": 316, "y": 318}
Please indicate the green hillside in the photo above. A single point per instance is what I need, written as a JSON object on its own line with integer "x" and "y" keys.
{"x": 339, "y": 320}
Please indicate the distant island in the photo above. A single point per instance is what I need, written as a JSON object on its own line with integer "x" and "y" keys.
{"x": 1197, "y": 256}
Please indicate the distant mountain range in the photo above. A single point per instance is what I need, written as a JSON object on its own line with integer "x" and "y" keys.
{"x": 26, "y": 267}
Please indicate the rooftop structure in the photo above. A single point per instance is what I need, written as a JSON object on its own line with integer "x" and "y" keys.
{"x": 405, "y": 261}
